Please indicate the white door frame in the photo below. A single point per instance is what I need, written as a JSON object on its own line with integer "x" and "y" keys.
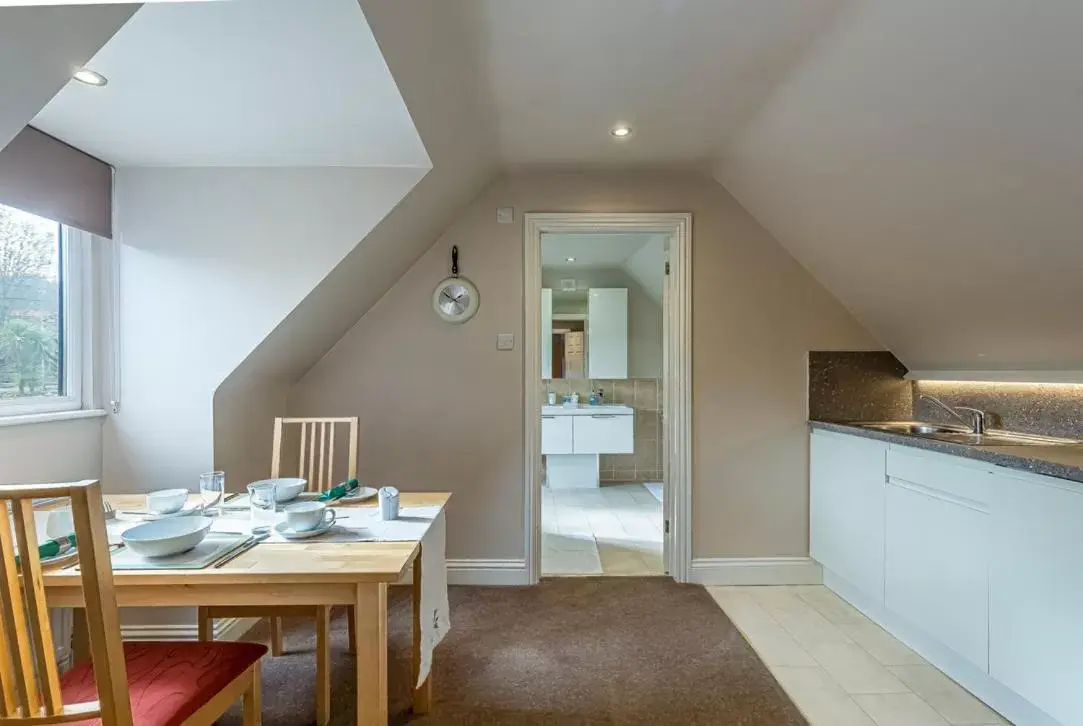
{"x": 677, "y": 371}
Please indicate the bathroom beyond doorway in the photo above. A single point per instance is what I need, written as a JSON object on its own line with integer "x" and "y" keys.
{"x": 603, "y": 437}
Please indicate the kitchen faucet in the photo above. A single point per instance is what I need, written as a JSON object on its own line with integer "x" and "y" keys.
{"x": 977, "y": 416}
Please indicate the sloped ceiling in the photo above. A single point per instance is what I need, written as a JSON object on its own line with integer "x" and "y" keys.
{"x": 268, "y": 83}
{"x": 684, "y": 73}
{"x": 40, "y": 47}
{"x": 925, "y": 163}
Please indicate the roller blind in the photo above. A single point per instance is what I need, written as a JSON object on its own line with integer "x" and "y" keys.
{"x": 44, "y": 176}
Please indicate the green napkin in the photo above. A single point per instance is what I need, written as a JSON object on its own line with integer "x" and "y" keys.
{"x": 339, "y": 491}
{"x": 54, "y": 547}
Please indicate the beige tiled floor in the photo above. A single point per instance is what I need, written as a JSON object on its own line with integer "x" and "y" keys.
{"x": 839, "y": 667}
{"x": 613, "y": 530}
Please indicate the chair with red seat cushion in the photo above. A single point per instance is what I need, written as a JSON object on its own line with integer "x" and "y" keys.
{"x": 169, "y": 682}
{"x": 123, "y": 684}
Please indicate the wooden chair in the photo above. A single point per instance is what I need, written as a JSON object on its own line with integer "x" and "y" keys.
{"x": 316, "y": 464}
{"x": 145, "y": 683}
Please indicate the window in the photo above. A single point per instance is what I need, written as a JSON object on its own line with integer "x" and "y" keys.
{"x": 40, "y": 314}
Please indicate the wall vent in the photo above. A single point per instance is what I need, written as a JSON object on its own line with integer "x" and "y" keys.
{"x": 568, "y": 285}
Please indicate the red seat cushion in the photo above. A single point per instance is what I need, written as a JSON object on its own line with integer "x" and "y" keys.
{"x": 168, "y": 682}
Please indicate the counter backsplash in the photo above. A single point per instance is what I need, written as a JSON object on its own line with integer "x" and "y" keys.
{"x": 869, "y": 386}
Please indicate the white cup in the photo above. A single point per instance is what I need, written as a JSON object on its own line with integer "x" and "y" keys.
{"x": 307, "y": 516}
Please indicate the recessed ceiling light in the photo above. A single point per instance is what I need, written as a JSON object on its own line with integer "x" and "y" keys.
{"x": 620, "y": 131}
{"x": 569, "y": 259}
{"x": 89, "y": 77}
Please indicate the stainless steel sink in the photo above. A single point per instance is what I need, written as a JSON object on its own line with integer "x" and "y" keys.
{"x": 960, "y": 435}
{"x": 911, "y": 427}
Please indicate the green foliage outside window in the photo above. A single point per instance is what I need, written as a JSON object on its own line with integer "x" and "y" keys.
{"x": 30, "y": 328}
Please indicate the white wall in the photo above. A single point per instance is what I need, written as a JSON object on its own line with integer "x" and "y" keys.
{"x": 211, "y": 260}
{"x": 644, "y": 314}
{"x": 51, "y": 452}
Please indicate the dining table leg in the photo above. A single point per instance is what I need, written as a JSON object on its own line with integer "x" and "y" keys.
{"x": 323, "y": 665}
{"x": 422, "y": 700}
{"x": 370, "y": 614}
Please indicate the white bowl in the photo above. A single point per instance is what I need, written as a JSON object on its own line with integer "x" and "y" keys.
{"x": 287, "y": 489}
{"x": 166, "y": 536}
{"x": 167, "y": 501}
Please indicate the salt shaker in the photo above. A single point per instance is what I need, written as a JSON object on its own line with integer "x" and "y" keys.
{"x": 389, "y": 503}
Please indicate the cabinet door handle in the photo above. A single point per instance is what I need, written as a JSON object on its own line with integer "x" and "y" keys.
{"x": 548, "y": 416}
{"x": 603, "y": 415}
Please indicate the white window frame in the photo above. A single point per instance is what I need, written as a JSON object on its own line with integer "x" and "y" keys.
{"x": 76, "y": 306}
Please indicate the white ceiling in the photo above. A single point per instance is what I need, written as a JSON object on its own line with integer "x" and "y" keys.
{"x": 39, "y": 49}
{"x": 240, "y": 83}
{"x": 926, "y": 165}
{"x": 685, "y": 73}
{"x": 591, "y": 250}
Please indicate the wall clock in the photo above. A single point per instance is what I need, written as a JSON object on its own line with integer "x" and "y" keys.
{"x": 455, "y": 299}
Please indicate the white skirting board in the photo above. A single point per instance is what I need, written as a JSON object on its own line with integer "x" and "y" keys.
{"x": 1009, "y": 703}
{"x": 487, "y": 572}
{"x": 755, "y": 571}
{"x": 224, "y": 629}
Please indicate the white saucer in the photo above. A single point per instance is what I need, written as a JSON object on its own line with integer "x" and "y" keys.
{"x": 359, "y": 495}
{"x": 283, "y": 528}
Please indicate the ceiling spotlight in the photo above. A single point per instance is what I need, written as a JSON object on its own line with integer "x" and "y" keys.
{"x": 620, "y": 131}
{"x": 89, "y": 77}
{"x": 569, "y": 259}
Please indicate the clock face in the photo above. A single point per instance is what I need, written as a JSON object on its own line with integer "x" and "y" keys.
{"x": 455, "y": 300}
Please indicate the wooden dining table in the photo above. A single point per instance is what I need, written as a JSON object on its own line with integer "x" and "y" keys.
{"x": 300, "y": 575}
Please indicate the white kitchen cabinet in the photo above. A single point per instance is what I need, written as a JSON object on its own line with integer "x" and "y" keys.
{"x": 546, "y": 333}
{"x": 936, "y": 565}
{"x": 556, "y": 435}
{"x": 607, "y": 332}
{"x": 1036, "y": 591}
{"x": 604, "y": 434}
{"x": 937, "y": 548}
{"x": 847, "y": 508}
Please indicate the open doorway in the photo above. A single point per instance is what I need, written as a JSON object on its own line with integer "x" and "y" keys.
{"x": 608, "y": 377}
{"x": 601, "y": 422}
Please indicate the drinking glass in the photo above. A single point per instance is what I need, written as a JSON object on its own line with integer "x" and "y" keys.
{"x": 261, "y": 497}
{"x": 212, "y": 487}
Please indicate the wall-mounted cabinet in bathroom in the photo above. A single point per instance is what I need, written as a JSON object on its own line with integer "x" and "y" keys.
{"x": 607, "y": 332}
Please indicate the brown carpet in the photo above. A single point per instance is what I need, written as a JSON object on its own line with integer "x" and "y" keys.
{"x": 599, "y": 651}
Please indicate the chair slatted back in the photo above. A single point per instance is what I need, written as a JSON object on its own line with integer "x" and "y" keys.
{"x": 316, "y": 461}
{"x": 29, "y": 677}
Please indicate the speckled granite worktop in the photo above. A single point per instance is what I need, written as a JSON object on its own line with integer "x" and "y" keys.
{"x": 1063, "y": 462}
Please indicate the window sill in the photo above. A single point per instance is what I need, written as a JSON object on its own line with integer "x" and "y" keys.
{"x": 33, "y": 418}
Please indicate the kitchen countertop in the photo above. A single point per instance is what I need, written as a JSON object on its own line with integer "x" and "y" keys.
{"x": 605, "y": 409}
{"x": 1062, "y": 461}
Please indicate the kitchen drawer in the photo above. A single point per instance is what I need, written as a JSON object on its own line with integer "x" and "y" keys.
{"x": 556, "y": 437}
{"x": 958, "y": 478}
{"x": 604, "y": 434}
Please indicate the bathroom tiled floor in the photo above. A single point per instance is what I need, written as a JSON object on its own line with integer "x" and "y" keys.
{"x": 613, "y": 530}
{"x": 840, "y": 668}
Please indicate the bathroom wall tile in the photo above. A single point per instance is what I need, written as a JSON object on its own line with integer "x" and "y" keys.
{"x": 648, "y": 424}
{"x": 624, "y": 473}
{"x": 580, "y": 386}
{"x": 624, "y": 392}
{"x": 646, "y": 453}
{"x": 646, "y": 395}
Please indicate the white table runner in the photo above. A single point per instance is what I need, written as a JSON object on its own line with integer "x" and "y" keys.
{"x": 415, "y": 524}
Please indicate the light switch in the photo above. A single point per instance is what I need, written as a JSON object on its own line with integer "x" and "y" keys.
{"x": 505, "y": 215}
{"x": 505, "y": 341}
